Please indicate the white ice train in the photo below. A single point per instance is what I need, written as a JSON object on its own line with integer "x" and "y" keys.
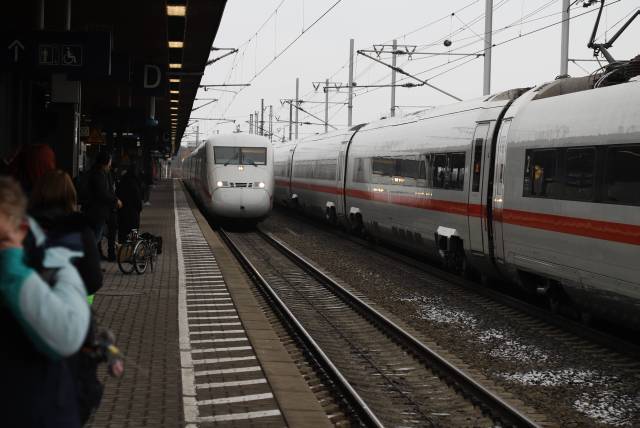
{"x": 539, "y": 185}
{"x": 232, "y": 176}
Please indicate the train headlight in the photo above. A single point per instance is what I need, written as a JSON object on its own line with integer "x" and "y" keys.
{"x": 261, "y": 185}
{"x": 219, "y": 184}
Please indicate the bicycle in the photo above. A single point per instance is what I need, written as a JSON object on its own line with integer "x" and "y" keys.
{"x": 126, "y": 261}
{"x": 145, "y": 252}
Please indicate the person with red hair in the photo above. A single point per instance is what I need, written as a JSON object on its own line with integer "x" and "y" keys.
{"x": 33, "y": 161}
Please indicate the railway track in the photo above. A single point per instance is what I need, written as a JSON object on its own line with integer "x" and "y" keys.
{"x": 384, "y": 375}
{"x": 605, "y": 338}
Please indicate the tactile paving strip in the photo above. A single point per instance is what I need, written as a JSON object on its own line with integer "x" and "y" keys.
{"x": 222, "y": 380}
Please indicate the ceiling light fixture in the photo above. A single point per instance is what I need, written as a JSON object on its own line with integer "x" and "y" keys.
{"x": 176, "y": 10}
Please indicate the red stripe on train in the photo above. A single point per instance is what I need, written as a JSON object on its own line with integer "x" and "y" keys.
{"x": 608, "y": 231}
{"x": 309, "y": 186}
{"x": 598, "y": 229}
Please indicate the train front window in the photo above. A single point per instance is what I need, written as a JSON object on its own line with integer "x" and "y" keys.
{"x": 240, "y": 155}
{"x": 226, "y": 155}
{"x": 254, "y": 155}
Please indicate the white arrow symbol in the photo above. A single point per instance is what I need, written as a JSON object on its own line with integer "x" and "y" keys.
{"x": 15, "y": 45}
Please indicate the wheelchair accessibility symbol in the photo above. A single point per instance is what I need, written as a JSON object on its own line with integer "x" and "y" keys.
{"x": 71, "y": 55}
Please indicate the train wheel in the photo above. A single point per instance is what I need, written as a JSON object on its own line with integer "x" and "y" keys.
{"x": 554, "y": 304}
{"x": 330, "y": 215}
{"x": 484, "y": 280}
{"x": 357, "y": 225}
{"x": 467, "y": 271}
{"x": 556, "y": 298}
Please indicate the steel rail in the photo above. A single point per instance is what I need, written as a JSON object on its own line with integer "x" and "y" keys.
{"x": 478, "y": 394}
{"x": 579, "y": 329}
{"x": 356, "y": 402}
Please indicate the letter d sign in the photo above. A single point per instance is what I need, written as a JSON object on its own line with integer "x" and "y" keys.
{"x": 152, "y": 76}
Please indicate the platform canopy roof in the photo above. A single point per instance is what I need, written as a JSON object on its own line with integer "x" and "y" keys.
{"x": 174, "y": 37}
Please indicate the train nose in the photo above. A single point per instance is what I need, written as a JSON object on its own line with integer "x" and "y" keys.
{"x": 241, "y": 203}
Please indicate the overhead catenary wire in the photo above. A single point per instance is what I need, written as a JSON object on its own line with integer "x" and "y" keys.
{"x": 496, "y": 45}
{"x": 437, "y": 70}
{"x": 525, "y": 18}
{"x": 465, "y": 26}
{"x": 477, "y": 19}
{"x": 521, "y": 21}
{"x": 286, "y": 48}
{"x": 460, "y": 59}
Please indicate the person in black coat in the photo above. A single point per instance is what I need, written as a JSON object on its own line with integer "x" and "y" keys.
{"x": 53, "y": 205}
{"x": 101, "y": 197}
{"x": 129, "y": 191}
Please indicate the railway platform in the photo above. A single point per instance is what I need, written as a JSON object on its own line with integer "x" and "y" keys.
{"x": 198, "y": 349}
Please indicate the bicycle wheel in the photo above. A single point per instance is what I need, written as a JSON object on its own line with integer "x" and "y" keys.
{"x": 153, "y": 251}
{"x": 141, "y": 257}
{"x": 125, "y": 258}
{"x": 103, "y": 247}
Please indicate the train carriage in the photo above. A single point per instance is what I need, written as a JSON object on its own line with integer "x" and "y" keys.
{"x": 408, "y": 179}
{"x": 570, "y": 215}
{"x": 317, "y": 174}
{"x": 541, "y": 186}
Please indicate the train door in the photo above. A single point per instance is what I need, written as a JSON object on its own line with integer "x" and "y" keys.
{"x": 290, "y": 172}
{"x": 498, "y": 190}
{"x": 339, "y": 208}
{"x": 478, "y": 239}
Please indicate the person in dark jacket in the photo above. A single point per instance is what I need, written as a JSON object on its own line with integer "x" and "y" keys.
{"x": 101, "y": 197}
{"x": 53, "y": 204}
{"x": 130, "y": 193}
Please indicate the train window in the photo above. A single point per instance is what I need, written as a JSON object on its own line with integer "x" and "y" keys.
{"x": 240, "y": 155}
{"x": 358, "y": 171}
{"x": 402, "y": 170}
{"x": 579, "y": 173}
{"x": 422, "y": 170}
{"x": 303, "y": 169}
{"x": 477, "y": 164}
{"x": 438, "y": 170}
{"x": 253, "y": 155}
{"x": 622, "y": 175}
{"x": 408, "y": 168}
{"x": 226, "y": 155}
{"x": 447, "y": 170}
{"x": 325, "y": 169}
{"x": 541, "y": 174}
{"x": 383, "y": 166}
{"x": 457, "y": 167}
{"x": 280, "y": 169}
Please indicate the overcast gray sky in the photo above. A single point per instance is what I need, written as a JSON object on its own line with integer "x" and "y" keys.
{"x": 323, "y": 50}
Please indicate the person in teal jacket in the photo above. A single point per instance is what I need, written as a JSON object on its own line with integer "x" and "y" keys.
{"x": 43, "y": 321}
